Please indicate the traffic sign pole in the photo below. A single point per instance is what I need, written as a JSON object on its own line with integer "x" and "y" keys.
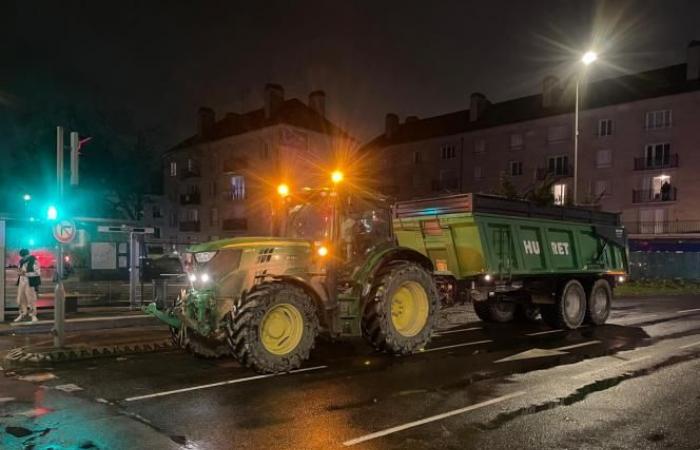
{"x": 59, "y": 313}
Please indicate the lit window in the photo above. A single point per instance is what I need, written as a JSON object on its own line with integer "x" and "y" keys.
{"x": 605, "y": 127}
{"x": 237, "y": 187}
{"x": 559, "y": 193}
{"x": 173, "y": 168}
{"x": 658, "y": 119}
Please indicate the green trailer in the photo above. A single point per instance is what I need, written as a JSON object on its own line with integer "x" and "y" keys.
{"x": 513, "y": 258}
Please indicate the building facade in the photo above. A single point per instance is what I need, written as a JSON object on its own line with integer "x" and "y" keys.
{"x": 222, "y": 181}
{"x": 639, "y": 145}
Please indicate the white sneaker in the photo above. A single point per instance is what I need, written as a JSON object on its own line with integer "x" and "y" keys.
{"x": 19, "y": 318}
{"x": 34, "y": 319}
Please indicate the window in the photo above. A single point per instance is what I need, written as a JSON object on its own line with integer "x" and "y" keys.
{"x": 212, "y": 189}
{"x": 603, "y": 159}
{"x": 449, "y": 151}
{"x": 601, "y": 188}
{"x": 214, "y": 217}
{"x": 605, "y": 127}
{"x": 265, "y": 151}
{"x": 480, "y": 146}
{"x": 237, "y": 187}
{"x": 417, "y": 157}
{"x": 559, "y": 193}
{"x": 173, "y": 168}
{"x": 657, "y": 155}
{"x": 516, "y": 140}
{"x": 193, "y": 215}
{"x": 157, "y": 214}
{"x": 558, "y": 165}
{"x": 658, "y": 119}
{"x": 557, "y": 133}
{"x": 173, "y": 219}
{"x": 478, "y": 173}
{"x": 651, "y": 221}
{"x": 515, "y": 168}
{"x": 190, "y": 165}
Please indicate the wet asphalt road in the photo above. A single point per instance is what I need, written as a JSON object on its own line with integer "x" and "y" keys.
{"x": 634, "y": 383}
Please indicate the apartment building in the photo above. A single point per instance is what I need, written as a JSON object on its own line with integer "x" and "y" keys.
{"x": 221, "y": 182}
{"x": 639, "y": 147}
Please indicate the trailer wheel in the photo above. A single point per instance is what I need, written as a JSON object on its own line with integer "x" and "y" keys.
{"x": 527, "y": 313}
{"x": 402, "y": 309}
{"x": 273, "y": 328}
{"x": 569, "y": 310}
{"x": 599, "y": 303}
{"x": 495, "y": 311}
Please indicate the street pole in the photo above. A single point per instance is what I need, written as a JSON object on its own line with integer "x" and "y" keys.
{"x": 59, "y": 293}
{"x": 578, "y": 82}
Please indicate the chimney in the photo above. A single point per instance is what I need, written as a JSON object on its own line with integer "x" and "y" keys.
{"x": 274, "y": 97}
{"x": 477, "y": 106}
{"x": 317, "y": 102}
{"x": 693, "y": 63}
{"x": 550, "y": 91}
{"x": 410, "y": 119}
{"x": 205, "y": 121}
{"x": 391, "y": 125}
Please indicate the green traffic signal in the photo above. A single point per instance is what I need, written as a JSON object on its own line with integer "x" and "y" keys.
{"x": 52, "y": 213}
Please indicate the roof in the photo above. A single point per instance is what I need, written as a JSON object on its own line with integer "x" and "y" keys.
{"x": 653, "y": 83}
{"x": 291, "y": 112}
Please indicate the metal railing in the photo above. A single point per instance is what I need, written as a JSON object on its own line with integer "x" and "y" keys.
{"x": 648, "y": 196}
{"x": 652, "y": 163}
{"x": 665, "y": 227}
{"x": 192, "y": 172}
{"x": 545, "y": 172}
{"x": 234, "y": 194}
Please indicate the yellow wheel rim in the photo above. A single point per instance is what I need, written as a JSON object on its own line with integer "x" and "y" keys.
{"x": 409, "y": 308}
{"x": 281, "y": 329}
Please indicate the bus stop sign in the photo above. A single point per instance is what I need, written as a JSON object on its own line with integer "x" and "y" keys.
{"x": 64, "y": 231}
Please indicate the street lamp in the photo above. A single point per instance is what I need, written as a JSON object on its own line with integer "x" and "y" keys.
{"x": 587, "y": 59}
{"x": 26, "y": 197}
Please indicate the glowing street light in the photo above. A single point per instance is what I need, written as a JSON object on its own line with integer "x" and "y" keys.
{"x": 26, "y": 197}
{"x": 283, "y": 190}
{"x": 587, "y": 59}
{"x": 336, "y": 176}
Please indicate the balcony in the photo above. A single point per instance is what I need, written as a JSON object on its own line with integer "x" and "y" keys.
{"x": 544, "y": 172}
{"x": 650, "y": 196}
{"x": 651, "y": 164}
{"x": 235, "y": 165}
{"x": 190, "y": 172}
{"x": 662, "y": 227}
{"x": 192, "y": 198}
{"x": 189, "y": 226}
{"x": 234, "y": 194}
{"x": 234, "y": 224}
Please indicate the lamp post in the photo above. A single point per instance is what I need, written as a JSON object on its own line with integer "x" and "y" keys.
{"x": 587, "y": 59}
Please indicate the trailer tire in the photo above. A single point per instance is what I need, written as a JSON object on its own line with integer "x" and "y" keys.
{"x": 495, "y": 311}
{"x": 273, "y": 328}
{"x": 599, "y": 303}
{"x": 401, "y": 310}
{"x": 527, "y": 313}
{"x": 570, "y": 308}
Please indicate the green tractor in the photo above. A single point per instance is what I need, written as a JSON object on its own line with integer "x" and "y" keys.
{"x": 335, "y": 268}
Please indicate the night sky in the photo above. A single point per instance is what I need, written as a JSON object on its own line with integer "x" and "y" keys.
{"x": 145, "y": 66}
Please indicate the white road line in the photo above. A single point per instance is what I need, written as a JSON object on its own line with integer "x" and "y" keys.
{"x": 462, "y": 330}
{"x": 544, "y": 332}
{"x": 220, "y": 383}
{"x": 689, "y": 310}
{"x": 614, "y": 366}
{"x": 447, "y": 347}
{"x": 437, "y": 417}
{"x": 582, "y": 344}
{"x": 683, "y": 347}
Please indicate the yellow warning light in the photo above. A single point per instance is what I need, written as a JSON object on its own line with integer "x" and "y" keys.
{"x": 322, "y": 251}
{"x": 283, "y": 190}
{"x": 337, "y": 176}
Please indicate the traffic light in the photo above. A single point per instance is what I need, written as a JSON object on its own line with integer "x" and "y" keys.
{"x": 52, "y": 213}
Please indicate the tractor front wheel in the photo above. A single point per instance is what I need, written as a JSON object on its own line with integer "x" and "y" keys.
{"x": 273, "y": 328}
{"x": 401, "y": 310}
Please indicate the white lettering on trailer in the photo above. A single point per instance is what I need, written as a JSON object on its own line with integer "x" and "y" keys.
{"x": 560, "y": 248}
{"x": 532, "y": 247}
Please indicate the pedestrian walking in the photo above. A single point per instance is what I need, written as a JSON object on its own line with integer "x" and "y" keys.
{"x": 28, "y": 281}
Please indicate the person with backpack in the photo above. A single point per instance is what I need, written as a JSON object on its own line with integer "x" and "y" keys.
{"x": 28, "y": 281}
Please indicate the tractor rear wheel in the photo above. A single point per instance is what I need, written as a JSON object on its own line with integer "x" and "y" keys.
{"x": 401, "y": 310}
{"x": 273, "y": 328}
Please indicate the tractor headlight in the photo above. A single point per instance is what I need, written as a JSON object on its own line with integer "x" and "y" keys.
{"x": 204, "y": 257}
{"x": 192, "y": 277}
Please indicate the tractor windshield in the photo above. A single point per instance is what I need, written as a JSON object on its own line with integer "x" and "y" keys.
{"x": 311, "y": 221}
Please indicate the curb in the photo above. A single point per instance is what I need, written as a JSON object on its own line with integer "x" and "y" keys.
{"x": 21, "y": 357}
{"x": 81, "y": 325}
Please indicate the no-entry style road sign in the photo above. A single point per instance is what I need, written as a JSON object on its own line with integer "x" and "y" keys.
{"x": 64, "y": 231}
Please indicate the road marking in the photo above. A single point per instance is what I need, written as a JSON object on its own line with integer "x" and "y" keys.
{"x": 689, "y": 310}
{"x": 464, "y": 344}
{"x": 582, "y": 344}
{"x": 614, "y": 366}
{"x": 220, "y": 383}
{"x": 435, "y": 418}
{"x": 544, "y": 332}
{"x": 689, "y": 345}
{"x": 462, "y": 330}
{"x": 532, "y": 353}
